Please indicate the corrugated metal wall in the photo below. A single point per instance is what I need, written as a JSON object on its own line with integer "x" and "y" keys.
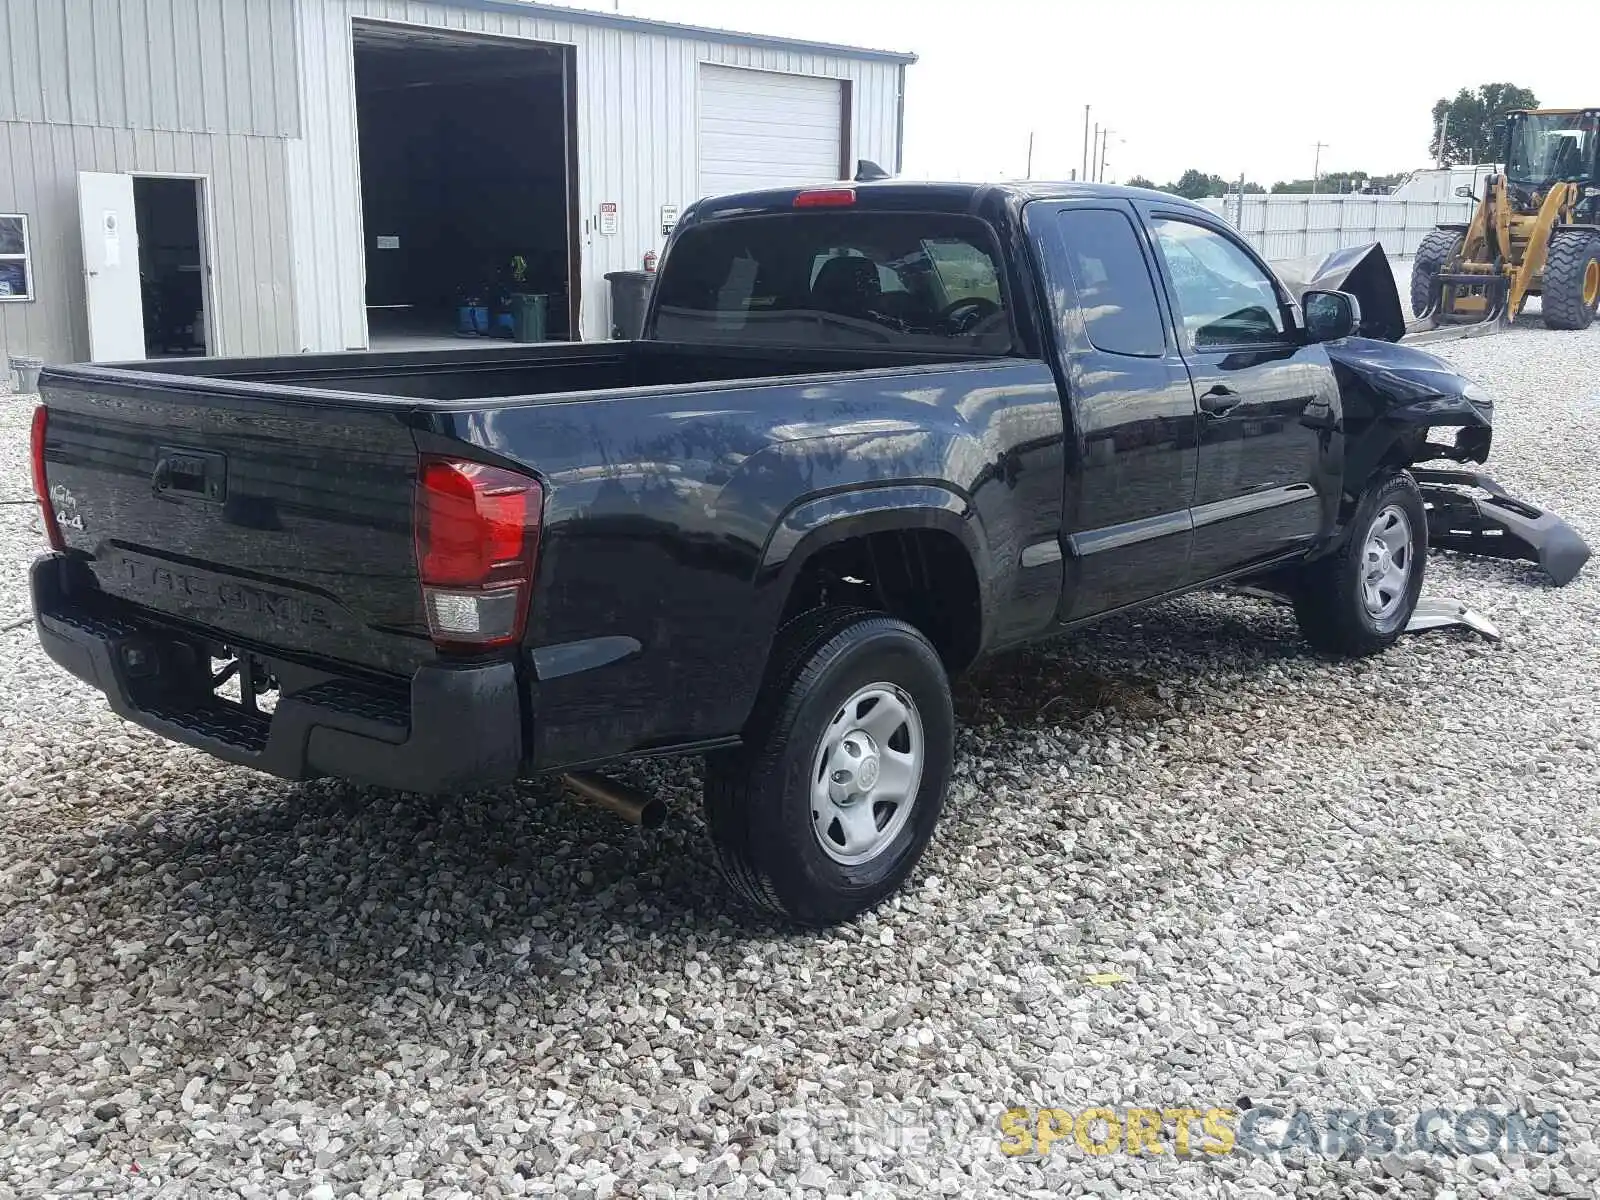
{"x": 187, "y": 66}
{"x": 636, "y": 127}
{"x": 203, "y": 87}
{"x": 249, "y": 203}
{"x": 1289, "y": 225}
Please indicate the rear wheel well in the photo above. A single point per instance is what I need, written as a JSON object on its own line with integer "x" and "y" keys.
{"x": 924, "y": 577}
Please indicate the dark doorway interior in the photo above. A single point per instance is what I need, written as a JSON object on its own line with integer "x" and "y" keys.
{"x": 172, "y": 266}
{"x": 464, "y": 183}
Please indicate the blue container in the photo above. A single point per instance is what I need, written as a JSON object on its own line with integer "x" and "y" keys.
{"x": 472, "y": 320}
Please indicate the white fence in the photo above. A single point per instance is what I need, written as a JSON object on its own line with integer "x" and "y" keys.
{"x": 1288, "y": 225}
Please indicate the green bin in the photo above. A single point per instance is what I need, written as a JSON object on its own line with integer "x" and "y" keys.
{"x": 528, "y": 311}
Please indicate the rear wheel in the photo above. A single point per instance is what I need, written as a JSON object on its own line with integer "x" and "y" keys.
{"x": 1359, "y": 600}
{"x": 1571, "y": 288}
{"x": 1436, "y": 250}
{"x": 830, "y": 803}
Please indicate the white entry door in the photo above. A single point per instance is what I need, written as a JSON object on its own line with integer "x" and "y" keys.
{"x": 762, "y": 129}
{"x": 111, "y": 266}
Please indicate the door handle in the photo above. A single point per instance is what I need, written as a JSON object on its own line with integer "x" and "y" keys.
{"x": 1219, "y": 400}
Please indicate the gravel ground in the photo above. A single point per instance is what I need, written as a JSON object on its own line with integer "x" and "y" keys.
{"x": 1185, "y": 864}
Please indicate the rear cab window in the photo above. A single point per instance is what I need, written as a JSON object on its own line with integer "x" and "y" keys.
{"x": 1117, "y": 297}
{"x": 865, "y": 279}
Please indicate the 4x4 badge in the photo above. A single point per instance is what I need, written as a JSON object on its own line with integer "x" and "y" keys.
{"x": 66, "y": 506}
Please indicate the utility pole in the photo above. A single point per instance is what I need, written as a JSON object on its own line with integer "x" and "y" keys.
{"x": 1316, "y": 166}
{"x": 1030, "y": 154}
{"x": 1104, "y": 138}
{"x": 1085, "y": 175}
{"x": 1094, "y": 152}
{"x": 1444, "y": 131}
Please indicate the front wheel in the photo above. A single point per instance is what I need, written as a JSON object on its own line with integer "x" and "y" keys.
{"x": 830, "y": 803}
{"x": 1359, "y": 600}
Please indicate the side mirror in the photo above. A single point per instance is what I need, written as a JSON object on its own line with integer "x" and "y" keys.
{"x": 1330, "y": 315}
{"x": 1466, "y": 193}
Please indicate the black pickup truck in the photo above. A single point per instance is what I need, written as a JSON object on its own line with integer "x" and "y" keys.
{"x": 872, "y": 433}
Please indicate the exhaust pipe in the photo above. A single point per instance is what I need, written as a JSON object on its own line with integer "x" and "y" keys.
{"x": 630, "y": 804}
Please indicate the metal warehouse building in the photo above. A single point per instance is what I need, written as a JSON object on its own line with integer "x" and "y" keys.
{"x": 249, "y": 177}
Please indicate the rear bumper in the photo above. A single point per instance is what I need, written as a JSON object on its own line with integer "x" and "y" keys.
{"x": 452, "y": 728}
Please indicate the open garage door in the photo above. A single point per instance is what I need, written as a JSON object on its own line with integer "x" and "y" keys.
{"x": 763, "y": 129}
{"x": 466, "y": 185}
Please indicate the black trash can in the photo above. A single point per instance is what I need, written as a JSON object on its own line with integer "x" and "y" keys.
{"x": 630, "y": 294}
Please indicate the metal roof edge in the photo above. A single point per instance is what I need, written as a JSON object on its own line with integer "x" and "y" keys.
{"x": 586, "y": 16}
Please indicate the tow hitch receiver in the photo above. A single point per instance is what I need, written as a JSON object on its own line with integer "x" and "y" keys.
{"x": 1497, "y": 524}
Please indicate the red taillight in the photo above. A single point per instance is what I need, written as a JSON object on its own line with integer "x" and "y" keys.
{"x": 41, "y": 485}
{"x": 477, "y": 530}
{"x": 826, "y": 198}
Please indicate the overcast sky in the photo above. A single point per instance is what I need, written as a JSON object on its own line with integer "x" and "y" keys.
{"x": 1227, "y": 86}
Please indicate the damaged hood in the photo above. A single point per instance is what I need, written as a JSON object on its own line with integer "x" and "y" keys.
{"x": 1380, "y": 379}
{"x": 1364, "y": 272}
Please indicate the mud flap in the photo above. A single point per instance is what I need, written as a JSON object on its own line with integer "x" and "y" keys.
{"x": 1497, "y": 524}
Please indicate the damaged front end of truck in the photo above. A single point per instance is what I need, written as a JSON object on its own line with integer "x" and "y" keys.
{"x": 1404, "y": 407}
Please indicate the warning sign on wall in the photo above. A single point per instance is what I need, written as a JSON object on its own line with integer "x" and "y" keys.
{"x": 608, "y": 217}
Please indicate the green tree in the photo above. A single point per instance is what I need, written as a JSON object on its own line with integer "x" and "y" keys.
{"x": 1464, "y": 129}
{"x": 1194, "y": 184}
{"x": 1141, "y": 181}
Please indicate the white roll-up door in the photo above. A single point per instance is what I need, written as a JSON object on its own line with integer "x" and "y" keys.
{"x": 763, "y": 129}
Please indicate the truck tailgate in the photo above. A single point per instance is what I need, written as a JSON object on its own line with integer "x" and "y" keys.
{"x": 243, "y": 509}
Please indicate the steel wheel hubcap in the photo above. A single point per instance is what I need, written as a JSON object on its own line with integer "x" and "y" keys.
{"x": 866, "y": 774}
{"x": 1386, "y": 562}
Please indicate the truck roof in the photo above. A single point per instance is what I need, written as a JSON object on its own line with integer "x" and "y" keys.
{"x": 904, "y": 194}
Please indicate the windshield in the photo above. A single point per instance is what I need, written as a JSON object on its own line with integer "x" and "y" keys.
{"x": 860, "y": 279}
{"x": 1551, "y": 147}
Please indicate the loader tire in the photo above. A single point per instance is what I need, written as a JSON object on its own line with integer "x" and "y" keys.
{"x": 1358, "y": 600}
{"x": 1432, "y": 255}
{"x": 1571, "y": 288}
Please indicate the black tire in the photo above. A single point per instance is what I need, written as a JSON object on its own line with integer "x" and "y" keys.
{"x": 1570, "y": 292}
{"x": 759, "y": 799}
{"x": 1434, "y": 252}
{"x": 1330, "y": 599}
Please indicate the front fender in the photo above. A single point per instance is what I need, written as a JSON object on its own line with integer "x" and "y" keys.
{"x": 1392, "y": 395}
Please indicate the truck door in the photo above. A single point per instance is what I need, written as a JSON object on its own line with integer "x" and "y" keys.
{"x": 1131, "y": 416}
{"x": 1254, "y": 376}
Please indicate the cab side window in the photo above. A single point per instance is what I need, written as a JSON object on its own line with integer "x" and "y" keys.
{"x": 1223, "y": 297}
{"x": 1118, "y": 297}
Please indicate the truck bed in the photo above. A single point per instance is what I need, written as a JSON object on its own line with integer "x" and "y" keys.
{"x": 477, "y": 372}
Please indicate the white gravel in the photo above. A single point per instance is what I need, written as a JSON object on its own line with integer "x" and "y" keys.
{"x": 1185, "y": 864}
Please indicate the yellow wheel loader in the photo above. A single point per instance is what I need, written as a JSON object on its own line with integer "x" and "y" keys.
{"x": 1536, "y": 231}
